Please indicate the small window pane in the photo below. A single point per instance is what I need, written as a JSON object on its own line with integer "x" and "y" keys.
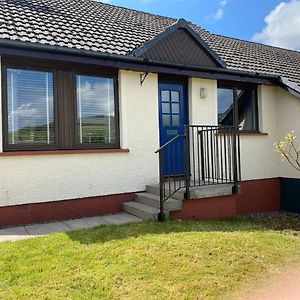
{"x": 166, "y": 120}
{"x": 175, "y": 96}
{"x": 165, "y": 96}
{"x": 176, "y": 120}
{"x": 225, "y": 107}
{"x": 175, "y": 108}
{"x": 30, "y": 107}
{"x": 95, "y": 110}
{"x": 165, "y": 108}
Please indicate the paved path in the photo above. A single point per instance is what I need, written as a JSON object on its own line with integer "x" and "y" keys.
{"x": 35, "y": 230}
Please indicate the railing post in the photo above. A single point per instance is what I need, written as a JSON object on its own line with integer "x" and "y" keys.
{"x": 161, "y": 215}
{"x": 187, "y": 161}
{"x": 202, "y": 155}
{"x": 235, "y": 164}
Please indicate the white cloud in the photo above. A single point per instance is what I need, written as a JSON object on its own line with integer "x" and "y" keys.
{"x": 282, "y": 26}
{"x": 219, "y": 14}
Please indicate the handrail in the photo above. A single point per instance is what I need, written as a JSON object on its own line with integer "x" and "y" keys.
{"x": 169, "y": 142}
{"x": 196, "y": 158}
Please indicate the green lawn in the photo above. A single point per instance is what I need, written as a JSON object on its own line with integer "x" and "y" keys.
{"x": 173, "y": 260}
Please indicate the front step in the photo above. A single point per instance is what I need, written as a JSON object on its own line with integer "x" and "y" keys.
{"x": 141, "y": 210}
{"x": 198, "y": 192}
{"x": 154, "y": 201}
{"x": 147, "y": 204}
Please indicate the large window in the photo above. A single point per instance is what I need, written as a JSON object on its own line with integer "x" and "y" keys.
{"x": 238, "y": 104}
{"x": 58, "y": 108}
{"x": 30, "y": 107}
{"x": 95, "y": 110}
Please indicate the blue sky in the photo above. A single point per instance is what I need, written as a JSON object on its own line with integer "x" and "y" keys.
{"x": 258, "y": 20}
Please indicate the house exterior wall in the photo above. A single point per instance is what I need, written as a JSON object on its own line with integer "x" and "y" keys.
{"x": 288, "y": 120}
{"x": 46, "y": 178}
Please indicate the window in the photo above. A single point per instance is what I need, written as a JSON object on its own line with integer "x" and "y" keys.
{"x": 238, "y": 103}
{"x": 58, "y": 108}
{"x": 95, "y": 110}
{"x": 30, "y": 107}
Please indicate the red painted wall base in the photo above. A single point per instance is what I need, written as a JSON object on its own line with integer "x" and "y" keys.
{"x": 62, "y": 210}
{"x": 255, "y": 196}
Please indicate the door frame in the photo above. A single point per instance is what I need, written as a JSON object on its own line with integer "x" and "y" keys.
{"x": 175, "y": 79}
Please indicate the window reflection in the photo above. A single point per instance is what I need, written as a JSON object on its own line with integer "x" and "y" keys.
{"x": 95, "y": 110}
{"x": 30, "y": 107}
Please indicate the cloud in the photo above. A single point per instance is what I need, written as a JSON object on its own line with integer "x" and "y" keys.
{"x": 282, "y": 26}
{"x": 219, "y": 14}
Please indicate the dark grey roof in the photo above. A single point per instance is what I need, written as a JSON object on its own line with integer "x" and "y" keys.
{"x": 98, "y": 27}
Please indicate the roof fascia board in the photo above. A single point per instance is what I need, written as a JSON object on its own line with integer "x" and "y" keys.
{"x": 183, "y": 24}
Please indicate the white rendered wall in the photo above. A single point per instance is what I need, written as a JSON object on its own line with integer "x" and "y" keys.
{"x": 33, "y": 179}
{"x": 288, "y": 120}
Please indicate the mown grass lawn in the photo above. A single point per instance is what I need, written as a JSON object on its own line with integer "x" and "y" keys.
{"x": 173, "y": 260}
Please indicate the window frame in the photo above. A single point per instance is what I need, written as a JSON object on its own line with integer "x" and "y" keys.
{"x": 64, "y": 102}
{"x": 19, "y": 147}
{"x": 85, "y": 146}
{"x": 235, "y": 86}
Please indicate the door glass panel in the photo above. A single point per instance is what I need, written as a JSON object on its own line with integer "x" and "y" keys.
{"x": 176, "y": 120}
{"x": 175, "y": 108}
{"x": 165, "y": 108}
{"x": 175, "y": 96}
{"x": 165, "y": 96}
{"x": 166, "y": 120}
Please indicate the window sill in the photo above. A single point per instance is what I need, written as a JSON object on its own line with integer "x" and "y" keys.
{"x": 62, "y": 152}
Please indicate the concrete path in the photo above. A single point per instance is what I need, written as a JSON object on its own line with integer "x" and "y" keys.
{"x": 35, "y": 230}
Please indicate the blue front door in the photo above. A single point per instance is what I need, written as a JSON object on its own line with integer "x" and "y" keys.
{"x": 172, "y": 118}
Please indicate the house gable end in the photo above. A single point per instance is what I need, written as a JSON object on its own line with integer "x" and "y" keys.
{"x": 179, "y": 44}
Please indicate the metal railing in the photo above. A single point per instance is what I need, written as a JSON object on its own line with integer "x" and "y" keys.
{"x": 204, "y": 155}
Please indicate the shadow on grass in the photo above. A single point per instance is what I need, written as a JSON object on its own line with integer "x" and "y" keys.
{"x": 258, "y": 222}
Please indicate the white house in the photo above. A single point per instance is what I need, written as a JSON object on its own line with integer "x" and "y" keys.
{"x": 90, "y": 91}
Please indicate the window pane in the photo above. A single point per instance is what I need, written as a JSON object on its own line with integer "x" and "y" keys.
{"x": 247, "y": 119}
{"x": 165, "y": 108}
{"x": 175, "y": 108}
{"x": 175, "y": 96}
{"x": 166, "y": 120}
{"x": 30, "y": 107}
{"x": 165, "y": 96}
{"x": 225, "y": 107}
{"x": 95, "y": 110}
{"x": 176, "y": 120}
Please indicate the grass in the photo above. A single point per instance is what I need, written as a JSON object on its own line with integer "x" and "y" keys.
{"x": 174, "y": 260}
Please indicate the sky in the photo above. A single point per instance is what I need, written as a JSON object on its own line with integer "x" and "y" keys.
{"x": 272, "y": 22}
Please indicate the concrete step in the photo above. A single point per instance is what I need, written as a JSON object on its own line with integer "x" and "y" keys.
{"x": 141, "y": 210}
{"x": 154, "y": 201}
{"x": 154, "y": 189}
{"x": 206, "y": 191}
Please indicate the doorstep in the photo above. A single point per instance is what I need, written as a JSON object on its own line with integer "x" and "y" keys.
{"x": 36, "y": 230}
